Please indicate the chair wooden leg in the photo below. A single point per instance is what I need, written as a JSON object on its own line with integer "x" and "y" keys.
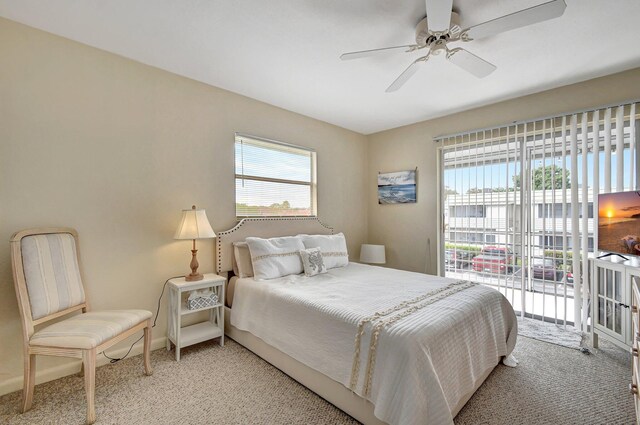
{"x": 89, "y": 362}
{"x": 29, "y": 381}
{"x": 148, "y": 370}
{"x": 81, "y": 373}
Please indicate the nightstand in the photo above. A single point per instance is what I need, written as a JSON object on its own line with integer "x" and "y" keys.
{"x": 212, "y": 328}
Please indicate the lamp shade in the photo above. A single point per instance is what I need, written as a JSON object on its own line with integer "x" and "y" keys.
{"x": 373, "y": 254}
{"x": 194, "y": 225}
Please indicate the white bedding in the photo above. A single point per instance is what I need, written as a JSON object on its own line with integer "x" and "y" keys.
{"x": 426, "y": 363}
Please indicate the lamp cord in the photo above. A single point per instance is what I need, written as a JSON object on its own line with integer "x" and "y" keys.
{"x": 155, "y": 319}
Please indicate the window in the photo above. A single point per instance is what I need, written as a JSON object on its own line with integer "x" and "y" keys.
{"x": 471, "y": 237}
{"x": 589, "y": 210}
{"x": 552, "y": 242}
{"x": 467, "y": 211}
{"x": 552, "y": 210}
{"x": 548, "y": 210}
{"x": 555, "y": 242}
{"x": 274, "y": 179}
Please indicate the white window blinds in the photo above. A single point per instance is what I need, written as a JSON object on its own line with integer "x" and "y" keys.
{"x": 539, "y": 182}
{"x": 274, "y": 179}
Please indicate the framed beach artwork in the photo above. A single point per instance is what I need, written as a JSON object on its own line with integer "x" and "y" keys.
{"x": 397, "y": 188}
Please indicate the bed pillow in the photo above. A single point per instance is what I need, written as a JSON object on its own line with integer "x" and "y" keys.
{"x": 234, "y": 264}
{"x": 231, "y": 288}
{"x": 312, "y": 262}
{"x": 333, "y": 247}
{"x": 242, "y": 265}
{"x": 275, "y": 257}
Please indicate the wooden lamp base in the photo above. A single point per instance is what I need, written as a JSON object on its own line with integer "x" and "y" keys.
{"x": 194, "y": 275}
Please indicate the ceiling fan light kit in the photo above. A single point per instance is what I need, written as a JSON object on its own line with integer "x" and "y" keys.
{"x": 441, "y": 26}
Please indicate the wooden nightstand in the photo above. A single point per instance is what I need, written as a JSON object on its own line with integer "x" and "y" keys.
{"x": 212, "y": 328}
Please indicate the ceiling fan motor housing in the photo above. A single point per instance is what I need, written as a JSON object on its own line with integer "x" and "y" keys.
{"x": 425, "y": 38}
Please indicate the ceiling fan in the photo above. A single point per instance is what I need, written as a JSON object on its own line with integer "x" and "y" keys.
{"x": 441, "y": 26}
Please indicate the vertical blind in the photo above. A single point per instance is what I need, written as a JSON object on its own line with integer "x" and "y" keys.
{"x": 547, "y": 173}
{"x": 273, "y": 178}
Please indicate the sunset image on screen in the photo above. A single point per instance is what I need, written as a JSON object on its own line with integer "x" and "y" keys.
{"x": 619, "y": 205}
{"x": 619, "y": 222}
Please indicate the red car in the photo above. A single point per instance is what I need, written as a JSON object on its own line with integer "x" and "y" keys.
{"x": 494, "y": 259}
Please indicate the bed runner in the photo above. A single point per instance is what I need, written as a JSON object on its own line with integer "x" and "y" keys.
{"x": 404, "y": 309}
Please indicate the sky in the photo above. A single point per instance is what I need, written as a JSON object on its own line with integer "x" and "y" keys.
{"x": 256, "y": 161}
{"x": 497, "y": 175}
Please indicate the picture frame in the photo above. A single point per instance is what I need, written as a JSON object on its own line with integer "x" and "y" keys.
{"x": 398, "y": 187}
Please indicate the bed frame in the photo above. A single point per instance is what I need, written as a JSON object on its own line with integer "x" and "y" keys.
{"x": 332, "y": 391}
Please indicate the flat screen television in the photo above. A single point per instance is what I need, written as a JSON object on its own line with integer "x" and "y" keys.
{"x": 619, "y": 223}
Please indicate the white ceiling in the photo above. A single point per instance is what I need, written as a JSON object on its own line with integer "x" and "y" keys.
{"x": 286, "y": 53}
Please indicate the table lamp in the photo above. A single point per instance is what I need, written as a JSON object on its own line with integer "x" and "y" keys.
{"x": 194, "y": 225}
{"x": 372, "y": 254}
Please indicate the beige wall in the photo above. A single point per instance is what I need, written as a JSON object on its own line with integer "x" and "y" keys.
{"x": 406, "y": 229}
{"x": 116, "y": 149}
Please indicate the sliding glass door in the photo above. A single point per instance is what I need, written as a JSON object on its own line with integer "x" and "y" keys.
{"x": 481, "y": 211}
{"x": 518, "y": 205}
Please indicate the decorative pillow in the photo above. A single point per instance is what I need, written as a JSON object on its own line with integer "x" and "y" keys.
{"x": 275, "y": 257}
{"x": 242, "y": 265}
{"x": 333, "y": 247}
{"x": 312, "y": 261}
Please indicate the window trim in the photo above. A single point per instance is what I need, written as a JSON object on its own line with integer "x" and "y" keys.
{"x": 313, "y": 184}
{"x": 275, "y": 142}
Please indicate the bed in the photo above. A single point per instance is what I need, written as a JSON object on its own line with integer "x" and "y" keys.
{"x": 384, "y": 345}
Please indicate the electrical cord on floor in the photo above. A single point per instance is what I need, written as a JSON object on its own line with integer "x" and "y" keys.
{"x": 155, "y": 319}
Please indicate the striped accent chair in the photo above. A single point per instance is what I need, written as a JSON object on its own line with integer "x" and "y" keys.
{"x": 48, "y": 283}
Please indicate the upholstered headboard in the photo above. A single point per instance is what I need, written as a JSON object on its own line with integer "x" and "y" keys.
{"x": 263, "y": 228}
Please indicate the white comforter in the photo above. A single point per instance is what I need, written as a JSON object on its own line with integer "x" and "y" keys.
{"x": 426, "y": 363}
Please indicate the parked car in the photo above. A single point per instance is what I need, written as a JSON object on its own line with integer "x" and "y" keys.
{"x": 494, "y": 259}
{"x": 545, "y": 268}
{"x": 457, "y": 258}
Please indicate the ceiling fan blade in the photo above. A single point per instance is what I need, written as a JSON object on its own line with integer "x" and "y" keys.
{"x": 439, "y": 15}
{"x": 470, "y": 62}
{"x": 406, "y": 74}
{"x": 377, "y": 52}
{"x": 532, "y": 15}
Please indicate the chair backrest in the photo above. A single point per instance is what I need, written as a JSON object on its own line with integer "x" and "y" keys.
{"x": 46, "y": 273}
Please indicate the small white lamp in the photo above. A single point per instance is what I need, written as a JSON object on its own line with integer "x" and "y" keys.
{"x": 373, "y": 254}
{"x": 194, "y": 225}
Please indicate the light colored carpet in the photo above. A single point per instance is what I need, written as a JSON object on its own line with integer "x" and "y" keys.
{"x": 568, "y": 336}
{"x": 556, "y": 386}
{"x": 230, "y": 385}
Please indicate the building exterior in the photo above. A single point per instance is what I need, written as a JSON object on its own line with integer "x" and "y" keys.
{"x": 495, "y": 218}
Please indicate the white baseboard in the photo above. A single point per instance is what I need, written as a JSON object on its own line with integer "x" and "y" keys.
{"x": 73, "y": 366}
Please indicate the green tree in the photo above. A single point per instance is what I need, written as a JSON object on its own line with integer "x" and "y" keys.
{"x": 552, "y": 178}
{"x": 285, "y": 205}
